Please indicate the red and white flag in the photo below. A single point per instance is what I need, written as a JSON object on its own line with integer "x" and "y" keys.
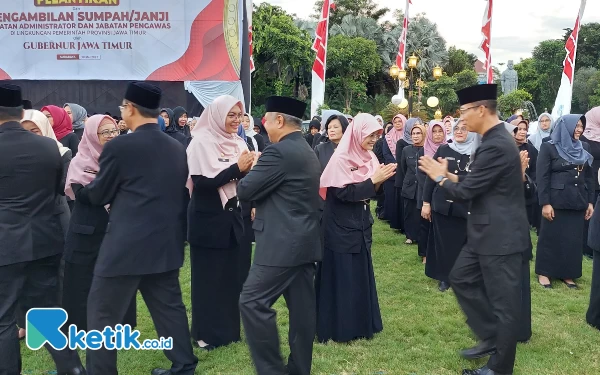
{"x": 249, "y": 10}
{"x": 319, "y": 67}
{"x": 486, "y": 44}
{"x": 401, "y": 58}
{"x": 562, "y": 105}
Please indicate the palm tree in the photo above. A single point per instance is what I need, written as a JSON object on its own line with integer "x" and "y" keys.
{"x": 423, "y": 39}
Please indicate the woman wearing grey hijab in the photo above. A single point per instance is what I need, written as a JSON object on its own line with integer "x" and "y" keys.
{"x": 566, "y": 193}
{"x": 78, "y": 115}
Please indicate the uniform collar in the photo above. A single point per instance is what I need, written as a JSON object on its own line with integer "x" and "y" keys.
{"x": 149, "y": 126}
{"x": 11, "y": 126}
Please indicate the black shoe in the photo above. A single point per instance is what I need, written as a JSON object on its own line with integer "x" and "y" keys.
{"x": 79, "y": 370}
{"x": 481, "y": 371}
{"x": 571, "y": 286}
{"x": 208, "y": 348}
{"x": 482, "y": 349}
{"x": 546, "y": 286}
{"x": 443, "y": 286}
{"x": 161, "y": 371}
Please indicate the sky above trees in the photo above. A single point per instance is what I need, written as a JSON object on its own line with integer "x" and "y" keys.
{"x": 518, "y": 25}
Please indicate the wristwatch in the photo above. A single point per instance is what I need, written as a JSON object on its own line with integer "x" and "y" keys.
{"x": 439, "y": 179}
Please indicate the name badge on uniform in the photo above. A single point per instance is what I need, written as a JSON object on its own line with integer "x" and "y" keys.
{"x": 450, "y": 158}
{"x": 352, "y": 169}
{"x": 223, "y": 160}
{"x": 90, "y": 171}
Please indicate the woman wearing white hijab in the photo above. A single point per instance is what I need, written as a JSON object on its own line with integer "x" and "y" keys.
{"x": 254, "y": 140}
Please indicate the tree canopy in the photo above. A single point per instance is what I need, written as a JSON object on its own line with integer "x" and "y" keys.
{"x": 363, "y": 46}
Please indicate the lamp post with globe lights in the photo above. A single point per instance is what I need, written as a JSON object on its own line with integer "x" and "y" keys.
{"x": 407, "y": 80}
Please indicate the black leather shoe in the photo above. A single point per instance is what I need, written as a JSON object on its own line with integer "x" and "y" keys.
{"x": 76, "y": 371}
{"x": 444, "y": 286}
{"x": 161, "y": 371}
{"x": 482, "y": 349}
{"x": 482, "y": 371}
{"x": 571, "y": 286}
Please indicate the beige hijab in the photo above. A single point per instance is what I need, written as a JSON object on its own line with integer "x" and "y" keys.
{"x": 40, "y": 120}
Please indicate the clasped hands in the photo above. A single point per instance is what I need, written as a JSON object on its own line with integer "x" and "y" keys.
{"x": 247, "y": 160}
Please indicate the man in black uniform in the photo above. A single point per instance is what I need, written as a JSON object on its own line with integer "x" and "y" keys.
{"x": 31, "y": 238}
{"x": 144, "y": 243}
{"x": 284, "y": 184}
{"x": 487, "y": 274}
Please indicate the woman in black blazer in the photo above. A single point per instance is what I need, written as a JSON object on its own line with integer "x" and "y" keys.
{"x": 524, "y": 144}
{"x": 449, "y": 218}
{"x": 347, "y": 304}
{"x": 217, "y": 158}
{"x": 566, "y": 194}
{"x": 407, "y": 173}
{"x": 88, "y": 224}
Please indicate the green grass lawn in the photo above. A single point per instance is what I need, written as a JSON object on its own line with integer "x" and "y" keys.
{"x": 423, "y": 329}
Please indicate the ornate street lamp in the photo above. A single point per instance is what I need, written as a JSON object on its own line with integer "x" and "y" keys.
{"x": 407, "y": 80}
{"x": 437, "y": 72}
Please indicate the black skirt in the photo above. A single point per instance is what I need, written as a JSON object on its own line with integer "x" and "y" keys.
{"x": 216, "y": 287}
{"x": 524, "y": 333}
{"x": 593, "y": 313}
{"x": 76, "y": 288}
{"x": 431, "y": 265}
{"x": 449, "y": 236}
{"x": 389, "y": 203}
{"x": 424, "y": 229}
{"x": 560, "y": 244}
{"x": 412, "y": 219}
{"x": 397, "y": 221}
{"x": 347, "y": 303}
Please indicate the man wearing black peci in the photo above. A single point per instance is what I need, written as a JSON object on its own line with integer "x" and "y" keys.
{"x": 31, "y": 239}
{"x": 487, "y": 274}
{"x": 143, "y": 248}
{"x": 284, "y": 185}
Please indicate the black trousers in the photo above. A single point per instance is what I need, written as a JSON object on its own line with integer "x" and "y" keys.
{"x": 109, "y": 300}
{"x": 262, "y": 289}
{"x": 488, "y": 289}
{"x": 33, "y": 285}
{"x": 593, "y": 312}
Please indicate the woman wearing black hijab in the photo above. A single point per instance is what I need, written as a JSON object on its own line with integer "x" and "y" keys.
{"x": 180, "y": 116}
{"x": 172, "y": 128}
{"x": 313, "y": 128}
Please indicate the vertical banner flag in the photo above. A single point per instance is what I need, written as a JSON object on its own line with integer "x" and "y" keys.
{"x": 562, "y": 105}
{"x": 402, "y": 45}
{"x": 319, "y": 67}
{"x": 249, "y": 10}
{"x": 486, "y": 44}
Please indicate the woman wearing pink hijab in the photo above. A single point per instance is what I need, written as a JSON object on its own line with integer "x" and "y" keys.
{"x": 347, "y": 305}
{"x": 220, "y": 256}
{"x": 88, "y": 223}
{"x": 393, "y": 143}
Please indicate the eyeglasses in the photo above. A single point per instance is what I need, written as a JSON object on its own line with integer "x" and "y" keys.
{"x": 545, "y": 120}
{"x": 462, "y": 129}
{"x": 234, "y": 116}
{"x": 108, "y": 133}
{"x": 122, "y": 107}
{"x": 463, "y": 111}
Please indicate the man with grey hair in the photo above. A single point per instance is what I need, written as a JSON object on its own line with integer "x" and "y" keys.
{"x": 284, "y": 186}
